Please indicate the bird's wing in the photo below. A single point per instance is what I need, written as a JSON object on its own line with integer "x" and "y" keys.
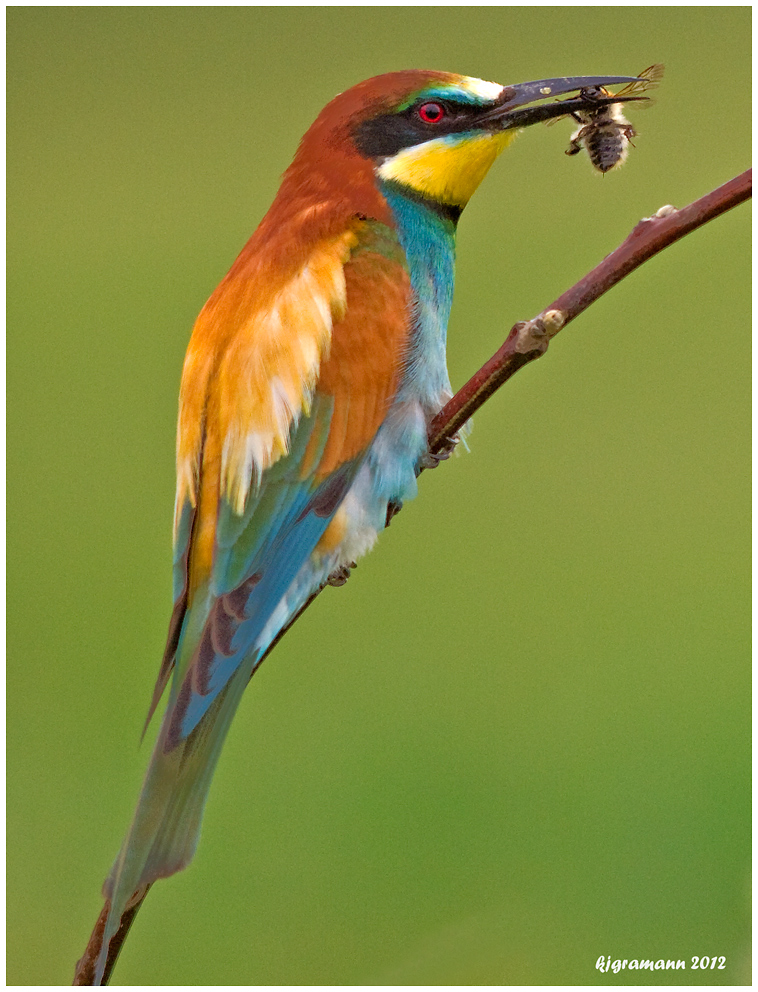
{"x": 287, "y": 380}
{"x": 276, "y": 416}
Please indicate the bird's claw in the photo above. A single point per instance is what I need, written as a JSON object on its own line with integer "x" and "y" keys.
{"x": 432, "y": 459}
{"x": 340, "y": 575}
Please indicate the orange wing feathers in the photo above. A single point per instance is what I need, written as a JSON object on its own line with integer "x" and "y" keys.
{"x": 339, "y": 323}
{"x": 255, "y": 356}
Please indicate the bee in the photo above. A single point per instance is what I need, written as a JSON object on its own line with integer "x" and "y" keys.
{"x": 605, "y": 134}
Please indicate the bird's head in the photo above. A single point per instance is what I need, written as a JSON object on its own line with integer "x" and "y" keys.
{"x": 432, "y": 134}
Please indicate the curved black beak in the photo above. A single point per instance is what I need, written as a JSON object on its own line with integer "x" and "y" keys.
{"x": 509, "y": 113}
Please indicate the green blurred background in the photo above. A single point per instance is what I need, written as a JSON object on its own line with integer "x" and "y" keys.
{"x": 518, "y": 738}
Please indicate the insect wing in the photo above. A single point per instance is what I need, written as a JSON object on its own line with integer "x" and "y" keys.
{"x": 647, "y": 79}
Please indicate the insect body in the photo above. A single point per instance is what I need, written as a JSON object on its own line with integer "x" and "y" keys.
{"x": 605, "y": 134}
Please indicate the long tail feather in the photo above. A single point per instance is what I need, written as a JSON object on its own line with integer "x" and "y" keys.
{"x": 166, "y": 825}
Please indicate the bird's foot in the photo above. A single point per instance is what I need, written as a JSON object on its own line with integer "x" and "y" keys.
{"x": 432, "y": 459}
{"x": 340, "y": 575}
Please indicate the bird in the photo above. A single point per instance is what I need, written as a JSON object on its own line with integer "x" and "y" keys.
{"x": 311, "y": 376}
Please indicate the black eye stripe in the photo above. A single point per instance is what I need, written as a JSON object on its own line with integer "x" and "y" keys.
{"x": 386, "y": 135}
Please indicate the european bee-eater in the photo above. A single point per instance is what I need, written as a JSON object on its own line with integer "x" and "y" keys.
{"x": 311, "y": 376}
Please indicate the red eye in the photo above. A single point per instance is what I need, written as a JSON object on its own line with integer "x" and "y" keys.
{"x": 431, "y": 113}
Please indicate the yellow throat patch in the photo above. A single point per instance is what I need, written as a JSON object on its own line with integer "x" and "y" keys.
{"x": 447, "y": 169}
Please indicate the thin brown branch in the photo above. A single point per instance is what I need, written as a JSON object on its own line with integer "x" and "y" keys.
{"x": 527, "y": 340}
{"x": 85, "y": 966}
